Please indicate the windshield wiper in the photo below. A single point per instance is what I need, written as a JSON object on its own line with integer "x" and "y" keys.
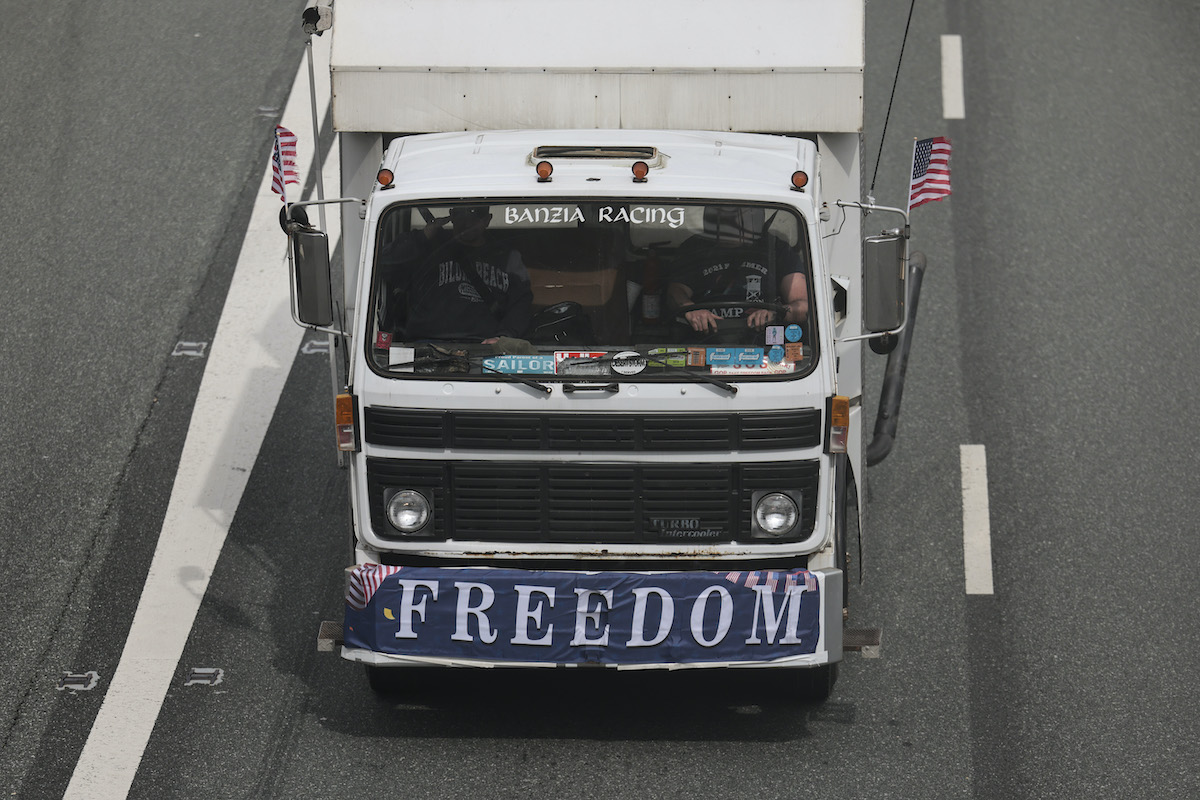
{"x": 699, "y": 377}
{"x": 464, "y": 363}
{"x": 696, "y": 377}
{"x": 517, "y": 378}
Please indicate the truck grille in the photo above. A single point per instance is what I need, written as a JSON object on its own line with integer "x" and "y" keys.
{"x": 590, "y": 503}
{"x": 787, "y": 430}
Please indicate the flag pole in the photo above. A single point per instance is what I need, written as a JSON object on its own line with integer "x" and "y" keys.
{"x": 316, "y": 20}
{"x": 320, "y": 169}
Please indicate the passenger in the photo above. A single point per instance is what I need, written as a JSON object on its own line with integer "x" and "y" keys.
{"x": 455, "y": 285}
{"x": 735, "y": 261}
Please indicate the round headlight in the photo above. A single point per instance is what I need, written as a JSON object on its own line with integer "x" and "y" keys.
{"x": 408, "y": 511}
{"x": 776, "y": 514}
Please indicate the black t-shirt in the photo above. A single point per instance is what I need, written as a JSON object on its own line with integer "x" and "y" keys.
{"x": 749, "y": 273}
{"x": 440, "y": 288}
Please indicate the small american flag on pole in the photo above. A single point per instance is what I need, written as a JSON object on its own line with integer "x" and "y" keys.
{"x": 365, "y": 580}
{"x": 283, "y": 162}
{"x": 931, "y": 171}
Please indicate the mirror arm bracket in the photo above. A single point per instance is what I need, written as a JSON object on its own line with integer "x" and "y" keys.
{"x": 292, "y": 207}
{"x": 867, "y": 208}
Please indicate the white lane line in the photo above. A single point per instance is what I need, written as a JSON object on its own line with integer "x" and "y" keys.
{"x": 953, "y": 103}
{"x": 248, "y": 363}
{"x": 977, "y": 532}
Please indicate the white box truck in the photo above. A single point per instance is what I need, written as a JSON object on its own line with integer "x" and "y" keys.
{"x": 605, "y": 302}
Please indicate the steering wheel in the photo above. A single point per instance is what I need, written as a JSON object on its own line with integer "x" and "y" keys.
{"x": 731, "y": 330}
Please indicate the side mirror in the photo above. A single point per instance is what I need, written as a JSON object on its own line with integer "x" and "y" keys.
{"x": 883, "y": 282}
{"x": 313, "y": 292}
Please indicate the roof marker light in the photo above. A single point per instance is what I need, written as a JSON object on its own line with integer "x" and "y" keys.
{"x": 385, "y": 178}
{"x": 799, "y": 180}
{"x": 544, "y": 170}
{"x": 640, "y": 170}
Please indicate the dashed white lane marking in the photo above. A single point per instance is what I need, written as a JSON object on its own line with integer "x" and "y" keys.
{"x": 953, "y": 102}
{"x": 977, "y": 532}
{"x": 248, "y": 363}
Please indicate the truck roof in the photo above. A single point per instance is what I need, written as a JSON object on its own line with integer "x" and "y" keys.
{"x": 781, "y": 66}
{"x": 475, "y": 163}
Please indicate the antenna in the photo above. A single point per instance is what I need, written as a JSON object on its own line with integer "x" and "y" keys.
{"x": 893, "y": 97}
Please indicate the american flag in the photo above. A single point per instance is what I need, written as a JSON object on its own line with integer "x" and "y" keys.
{"x": 931, "y": 171}
{"x": 772, "y": 579}
{"x": 364, "y": 581}
{"x": 283, "y": 162}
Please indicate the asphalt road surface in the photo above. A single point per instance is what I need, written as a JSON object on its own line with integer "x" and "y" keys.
{"x": 1058, "y": 329}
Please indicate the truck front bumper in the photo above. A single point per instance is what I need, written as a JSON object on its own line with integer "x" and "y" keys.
{"x": 493, "y": 617}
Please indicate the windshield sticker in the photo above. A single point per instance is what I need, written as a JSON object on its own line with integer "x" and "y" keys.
{"x": 520, "y": 365}
{"x": 793, "y": 333}
{"x": 793, "y": 352}
{"x": 774, "y": 334}
{"x": 735, "y": 356}
{"x": 696, "y": 357}
{"x": 569, "y": 362}
{"x": 629, "y": 362}
{"x": 673, "y": 357}
{"x": 775, "y": 354}
{"x": 763, "y": 367}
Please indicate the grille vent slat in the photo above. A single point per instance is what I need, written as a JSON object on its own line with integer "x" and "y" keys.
{"x": 470, "y": 430}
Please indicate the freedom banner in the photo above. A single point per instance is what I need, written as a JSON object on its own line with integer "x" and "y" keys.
{"x": 521, "y": 616}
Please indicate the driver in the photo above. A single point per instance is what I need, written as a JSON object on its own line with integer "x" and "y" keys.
{"x": 734, "y": 261}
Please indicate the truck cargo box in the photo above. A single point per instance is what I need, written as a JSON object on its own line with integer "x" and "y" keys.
{"x": 777, "y": 66}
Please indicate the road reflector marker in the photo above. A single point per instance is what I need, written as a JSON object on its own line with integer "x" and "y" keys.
{"x": 193, "y": 349}
{"x": 78, "y": 681}
{"x": 205, "y": 676}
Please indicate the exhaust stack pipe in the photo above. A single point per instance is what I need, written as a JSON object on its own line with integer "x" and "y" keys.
{"x": 897, "y": 364}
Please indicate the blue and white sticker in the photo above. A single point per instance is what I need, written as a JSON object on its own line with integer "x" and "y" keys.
{"x": 719, "y": 356}
{"x": 536, "y": 365}
{"x": 748, "y": 356}
{"x": 793, "y": 333}
{"x": 775, "y": 354}
{"x": 741, "y": 356}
